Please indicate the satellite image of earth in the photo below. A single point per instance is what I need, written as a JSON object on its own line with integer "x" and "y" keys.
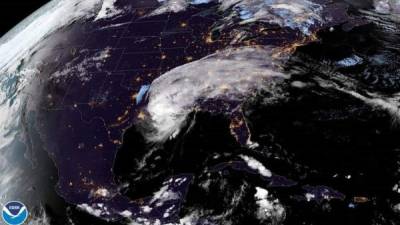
{"x": 203, "y": 112}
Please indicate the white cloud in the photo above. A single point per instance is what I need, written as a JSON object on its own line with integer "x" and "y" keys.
{"x": 256, "y": 165}
{"x": 22, "y": 40}
{"x": 95, "y": 209}
{"x": 164, "y": 194}
{"x": 108, "y": 10}
{"x": 190, "y": 219}
{"x": 232, "y": 75}
{"x": 146, "y": 209}
{"x": 396, "y": 208}
{"x": 12, "y": 101}
{"x": 387, "y": 6}
{"x": 268, "y": 208}
{"x": 309, "y": 196}
{"x": 91, "y": 210}
{"x": 170, "y": 6}
{"x": 126, "y": 213}
{"x": 41, "y": 219}
{"x": 296, "y": 14}
{"x": 79, "y": 68}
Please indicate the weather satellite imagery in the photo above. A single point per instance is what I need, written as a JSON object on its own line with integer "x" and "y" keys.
{"x": 202, "y": 112}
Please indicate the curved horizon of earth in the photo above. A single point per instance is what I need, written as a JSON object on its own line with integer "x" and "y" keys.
{"x": 202, "y": 112}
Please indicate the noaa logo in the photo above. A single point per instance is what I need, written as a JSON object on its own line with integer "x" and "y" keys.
{"x": 14, "y": 213}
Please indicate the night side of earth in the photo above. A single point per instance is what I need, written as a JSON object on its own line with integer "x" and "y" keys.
{"x": 203, "y": 112}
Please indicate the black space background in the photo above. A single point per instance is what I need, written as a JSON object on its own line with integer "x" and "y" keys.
{"x": 14, "y": 11}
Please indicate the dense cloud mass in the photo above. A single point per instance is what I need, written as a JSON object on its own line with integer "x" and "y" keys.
{"x": 232, "y": 74}
{"x": 387, "y": 6}
{"x": 298, "y": 14}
